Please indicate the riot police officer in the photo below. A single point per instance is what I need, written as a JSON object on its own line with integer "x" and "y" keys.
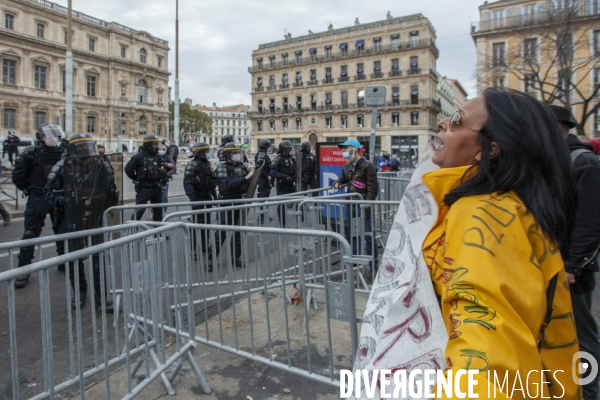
{"x": 84, "y": 183}
{"x": 199, "y": 183}
{"x": 283, "y": 168}
{"x": 309, "y": 167}
{"x": 262, "y": 159}
{"x": 229, "y": 139}
{"x": 233, "y": 179}
{"x": 30, "y": 175}
{"x": 148, "y": 170}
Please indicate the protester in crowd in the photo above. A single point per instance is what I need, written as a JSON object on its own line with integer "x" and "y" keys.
{"x": 5, "y": 214}
{"x": 582, "y": 265}
{"x": 383, "y": 163}
{"x": 395, "y": 163}
{"x": 124, "y": 147}
{"x": 12, "y": 144}
{"x": 495, "y": 254}
{"x": 170, "y": 172}
{"x": 596, "y": 145}
{"x": 361, "y": 177}
{"x": 174, "y": 152}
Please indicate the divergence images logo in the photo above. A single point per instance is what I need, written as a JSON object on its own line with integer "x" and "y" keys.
{"x": 582, "y": 363}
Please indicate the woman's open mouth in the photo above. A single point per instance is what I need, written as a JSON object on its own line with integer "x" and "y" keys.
{"x": 437, "y": 144}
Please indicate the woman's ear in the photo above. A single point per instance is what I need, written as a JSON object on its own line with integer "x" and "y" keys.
{"x": 494, "y": 150}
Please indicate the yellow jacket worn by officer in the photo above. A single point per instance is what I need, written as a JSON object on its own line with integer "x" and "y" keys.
{"x": 491, "y": 265}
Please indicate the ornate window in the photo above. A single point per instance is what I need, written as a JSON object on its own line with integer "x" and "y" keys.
{"x": 143, "y": 56}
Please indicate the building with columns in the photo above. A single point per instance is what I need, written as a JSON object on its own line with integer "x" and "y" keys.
{"x": 312, "y": 87}
{"x": 120, "y": 76}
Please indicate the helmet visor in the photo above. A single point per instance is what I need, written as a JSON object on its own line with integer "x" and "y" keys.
{"x": 286, "y": 151}
{"x": 83, "y": 147}
{"x": 48, "y": 131}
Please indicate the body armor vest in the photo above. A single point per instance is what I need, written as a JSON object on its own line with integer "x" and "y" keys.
{"x": 152, "y": 168}
{"x": 47, "y": 158}
{"x": 237, "y": 171}
{"x": 287, "y": 165}
{"x": 204, "y": 181}
{"x": 308, "y": 163}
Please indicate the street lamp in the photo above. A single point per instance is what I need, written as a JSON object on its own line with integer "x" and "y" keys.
{"x": 176, "y": 104}
{"x": 69, "y": 75}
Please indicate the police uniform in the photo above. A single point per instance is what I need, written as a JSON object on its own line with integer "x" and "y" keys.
{"x": 283, "y": 169}
{"x": 262, "y": 159}
{"x": 199, "y": 183}
{"x": 309, "y": 169}
{"x": 12, "y": 147}
{"x": 232, "y": 183}
{"x": 94, "y": 183}
{"x": 150, "y": 173}
{"x": 32, "y": 167}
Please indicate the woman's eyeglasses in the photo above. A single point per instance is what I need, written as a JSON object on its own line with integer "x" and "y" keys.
{"x": 455, "y": 121}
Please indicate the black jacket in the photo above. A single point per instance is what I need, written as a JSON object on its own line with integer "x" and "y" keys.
{"x": 586, "y": 235}
{"x": 361, "y": 178}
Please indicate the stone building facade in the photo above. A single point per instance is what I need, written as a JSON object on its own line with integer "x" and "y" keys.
{"x": 229, "y": 120}
{"x": 312, "y": 87}
{"x": 120, "y": 76}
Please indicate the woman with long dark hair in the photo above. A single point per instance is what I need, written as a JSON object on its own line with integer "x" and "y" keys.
{"x": 506, "y": 210}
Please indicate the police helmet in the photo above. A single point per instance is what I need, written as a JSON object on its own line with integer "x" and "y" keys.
{"x": 148, "y": 144}
{"x": 264, "y": 144}
{"x": 200, "y": 148}
{"x": 306, "y": 146}
{"x": 233, "y": 153}
{"x": 285, "y": 148}
{"x": 11, "y": 132}
{"x": 227, "y": 139}
{"x": 49, "y": 134}
{"x": 82, "y": 144}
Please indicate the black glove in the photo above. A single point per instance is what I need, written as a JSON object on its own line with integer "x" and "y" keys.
{"x": 290, "y": 179}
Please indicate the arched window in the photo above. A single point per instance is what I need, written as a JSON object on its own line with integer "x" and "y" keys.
{"x": 143, "y": 55}
{"x": 143, "y": 125}
{"x": 142, "y": 91}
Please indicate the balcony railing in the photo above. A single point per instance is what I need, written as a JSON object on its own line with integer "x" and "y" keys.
{"x": 413, "y": 71}
{"x": 377, "y": 75}
{"x": 259, "y": 89}
{"x": 390, "y": 106}
{"x": 413, "y": 44}
{"x": 395, "y": 72}
{"x": 590, "y": 7}
{"x": 284, "y": 86}
{"x": 343, "y": 79}
{"x": 298, "y": 84}
{"x": 271, "y": 87}
{"x": 360, "y": 77}
{"x": 312, "y": 83}
{"x": 328, "y": 80}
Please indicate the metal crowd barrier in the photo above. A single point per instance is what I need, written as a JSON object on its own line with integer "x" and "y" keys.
{"x": 263, "y": 311}
{"x": 152, "y": 320}
{"x": 393, "y": 184}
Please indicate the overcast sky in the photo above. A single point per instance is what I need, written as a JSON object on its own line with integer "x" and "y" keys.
{"x": 217, "y": 37}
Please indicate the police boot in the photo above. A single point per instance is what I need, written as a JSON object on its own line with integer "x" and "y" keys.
{"x": 21, "y": 281}
{"x": 209, "y": 261}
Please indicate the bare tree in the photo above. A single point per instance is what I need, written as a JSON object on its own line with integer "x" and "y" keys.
{"x": 556, "y": 55}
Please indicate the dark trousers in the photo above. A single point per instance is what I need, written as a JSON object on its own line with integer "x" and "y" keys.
{"x": 308, "y": 180}
{"x": 202, "y": 219}
{"x": 264, "y": 188}
{"x": 36, "y": 211}
{"x": 232, "y": 218}
{"x": 78, "y": 244}
{"x": 284, "y": 188}
{"x": 5, "y": 214}
{"x": 354, "y": 211}
{"x": 153, "y": 193}
{"x": 10, "y": 155}
{"x": 587, "y": 330}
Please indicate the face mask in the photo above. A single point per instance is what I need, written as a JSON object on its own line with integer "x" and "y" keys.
{"x": 347, "y": 155}
{"x": 208, "y": 156}
{"x": 236, "y": 158}
{"x": 161, "y": 152}
{"x": 52, "y": 141}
